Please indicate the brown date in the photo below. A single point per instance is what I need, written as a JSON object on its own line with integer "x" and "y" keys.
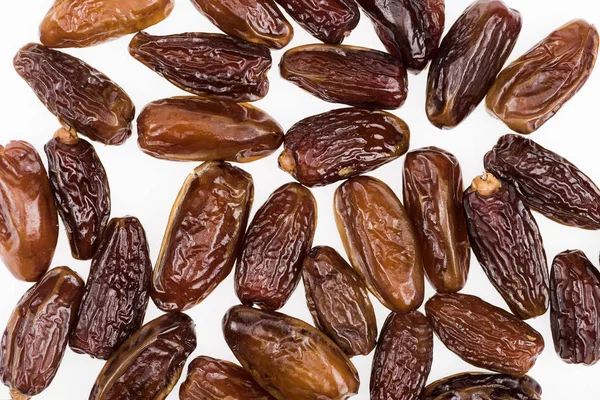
{"x": 203, "y": 236}
{"x": 473, "y": 385}
{"x": 468, "y": 60}
{"x": 80, "y": 96}
{"x": 433, "y": 198}
{"x": 36, "y": 336}
{"x": 289, "y": 358}
{"x": 380, "y": 242}
{"x": 196, "y": 129}
{"x": 342, "y": 143}
{"x": 350, "y": 75}
{"x": 547, "y": 182}
{"x": 339, "y": 302}
{"x": 28, "y": 219}
{"x": 278, "y": 238}
{"x": 148, "y": 365}
{"x": 534, "y": 87}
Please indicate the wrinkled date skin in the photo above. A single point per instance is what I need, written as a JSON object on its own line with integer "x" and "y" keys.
{"x": 433, "y": 198}
{"x": 534, "y": 87}
{"x": 472, "y": 385}
{"x": 350, "y": 75}
{"x": 80, "y": 96}
{"x": 278, "y": 239}
{"x": 117, "y": 290}
{"x": 148, "y": 365}
{"x": 204, "y": 235}
{"x": 28, "y": 218}
{"x": 380, "y": 242}
{"x": 547, "y": 182}
{"x": 289, "y": 358}
{"x": 403, "y": 357}
{"x": 484, "y": 335}
{"x": 36, "y": 336}
{"x": 338, "y": 301}
{"x": 468, "y": 60}
{"x": 81, "y": 191}
{"x": 507, "y": 243}
{"x": 196, "y": 129}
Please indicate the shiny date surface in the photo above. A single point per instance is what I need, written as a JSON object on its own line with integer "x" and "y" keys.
{"x": 473, "y": 385}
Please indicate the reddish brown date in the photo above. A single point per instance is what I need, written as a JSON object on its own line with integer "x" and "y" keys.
{"x": 209, "y": 65}
{"x": 433, "y": 198}
{"x": 28, "y": 218}
{"x": 469, "y": 58}
{"x": 204, "y": 235}
{"x": 473, "y": 385}
{"x": 346, "y": 74}
{"x": 80, "y": 96}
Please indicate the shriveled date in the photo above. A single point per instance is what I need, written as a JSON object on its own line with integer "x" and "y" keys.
{"x": 473, "y": 385}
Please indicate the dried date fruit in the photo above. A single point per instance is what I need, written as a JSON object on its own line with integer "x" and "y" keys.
{"x": 468, "y": 60}
{"x": 484, "y": 335}
{"x": 28, "y": 218}
{"x": 535, "y": 86}
{"x": 507, "y": 243}
{"x": 546, "y": 182}
{"x": 433, "y": 198}
{"x": 80, "y": 96}
{"x": 197, "y": 129}
{"x": 338, "y": 301}
{"x": 288, "y": 357}
{"x": 148, "y": 365}
{"x": 380, "y": 242}
{"x": 203, "y": 236}
{"x": 347, "y": 74}
{"x": 278, "y": 238}
{"x": 36, "y": 336}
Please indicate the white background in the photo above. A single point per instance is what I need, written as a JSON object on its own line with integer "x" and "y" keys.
{"x": 146, "y": 187}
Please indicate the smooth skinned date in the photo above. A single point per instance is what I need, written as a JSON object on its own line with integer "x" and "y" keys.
{"x": 473, "y": 385}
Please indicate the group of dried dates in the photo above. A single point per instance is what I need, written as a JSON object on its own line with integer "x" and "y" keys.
{"x": 392, "y": 246}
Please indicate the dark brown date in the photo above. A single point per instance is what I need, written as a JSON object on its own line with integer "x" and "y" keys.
{"x": 346, "y": 74}
{"x": 206, "y": 64}
{"x": 80, "y": 96}
{"x": 433, "y": 198}
{"x": 278, "y": 239}
{"x": 507, "y": 243}
{"x": 36, "y": 336}
{"x": 148, "y": 365}
{"x": 473, "y": 385}
{"x": 288, "y": 357}
{"x": 204, "y": 235}
{"x": 547, "y": 182}
{"x": 338, "y": 301}
{"x": 342, "y": 143}
{"x": 469, "y": 58}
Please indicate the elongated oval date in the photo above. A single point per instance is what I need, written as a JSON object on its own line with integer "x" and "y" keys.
{"x": 338, "y": 301}
{"x": 347, "y": 74}
{"x": 204, "y": 235}
{"x": 433, "y": 198}
{"x": 148, "y": 365}
{"x": 82, "y": 97}
{"x": 468, "y": 60}
{"x": 278, "y": 239}
{"x": 196, "y": 129}
{"x": 36, "y": 336}
{"x": 473, "y": 385}
{"x": 28, "y": 218}
{"x": 380, "y": 242}
{"x": 547, "y": 182}
{"x": 288, "y": 357}
{"x": 535, "y": 86}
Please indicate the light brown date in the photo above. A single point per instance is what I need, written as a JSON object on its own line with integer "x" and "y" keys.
{"x": 473, "y": 385}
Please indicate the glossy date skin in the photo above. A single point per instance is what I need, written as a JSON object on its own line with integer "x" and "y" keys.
{"x": 473, "y": 385}
{"x": 288, "y": 357}
{"x": 468, "y": 60}
{"x": 203, "y": 236}
{"x": 350, "y": 75}
{"x": 28, "y": 218}
{"x": 534, "y": 87}
{"x": 80, "y": 96}
{"x": 206, "y": 64}
{"x": 342, "y": 143}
